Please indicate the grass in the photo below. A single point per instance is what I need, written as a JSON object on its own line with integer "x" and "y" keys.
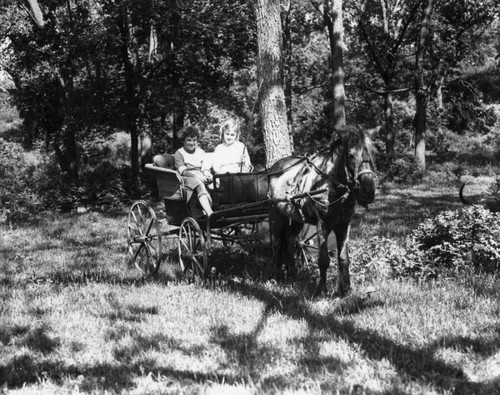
{"x": 75, "y": 318}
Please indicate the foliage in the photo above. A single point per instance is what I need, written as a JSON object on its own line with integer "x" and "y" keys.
{"x": 31, "y": 186}
{"x": 383, "y": 257}
{"x": 18, "y": 201}
{"x": 451, "y": 244}
{"x": 460, "y": 240}
{"x": 465, "y": 109}
{"x": 405, "y": 169}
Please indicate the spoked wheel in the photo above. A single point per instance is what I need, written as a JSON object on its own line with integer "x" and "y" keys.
{"x": 306, "y": 247}
{"x": 193, "y": 258}
{"x": 245, "y": 234}
{"x": 144, "y": 238}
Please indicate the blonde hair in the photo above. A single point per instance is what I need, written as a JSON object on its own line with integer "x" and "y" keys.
{"x": 230, "y": 124}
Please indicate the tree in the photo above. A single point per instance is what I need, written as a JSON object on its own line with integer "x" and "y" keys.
{"x": 421, "y": 97}
{"x": 385, "y": 30}
{"x": 270, "y": 80}
{"x": 335, "y": 25}
{"x": 61, "y": 128}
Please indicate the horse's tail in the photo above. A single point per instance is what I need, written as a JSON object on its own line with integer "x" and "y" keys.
{"x": 462, "y": 198}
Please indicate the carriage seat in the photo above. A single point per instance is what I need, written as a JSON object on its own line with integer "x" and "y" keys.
{"x": 169, "y": 181}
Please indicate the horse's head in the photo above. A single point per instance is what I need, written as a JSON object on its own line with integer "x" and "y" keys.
{"x": 360, "y": 162}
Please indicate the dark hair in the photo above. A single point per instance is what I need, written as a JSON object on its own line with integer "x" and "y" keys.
{"x": 188, "y": 131}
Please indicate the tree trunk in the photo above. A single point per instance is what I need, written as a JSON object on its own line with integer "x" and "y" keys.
{"x": 270, "y": 78}
{"x": 36, "y": 13}
{"x": 130, "y": 93}
{"x": 421, "y": 95}
{"x": 390, "y": 136}
{"x": 176, "y": 95}
{"x": 334, "y": 22}
{"x": 178, "y": 123}
{"x": 287, "y": 44}
{"x": 63, "y": 129}
{"x": 68, "y": 158}
{"x": 420, "y": 127}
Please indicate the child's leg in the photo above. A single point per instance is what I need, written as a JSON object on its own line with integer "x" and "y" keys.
{"x": 205, "y": 203}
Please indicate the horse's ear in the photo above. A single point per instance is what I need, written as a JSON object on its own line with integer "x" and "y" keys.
{"x": 372, "y": 133}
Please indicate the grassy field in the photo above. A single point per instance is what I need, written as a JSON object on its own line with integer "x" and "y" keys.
{"x": 75, "y": 318}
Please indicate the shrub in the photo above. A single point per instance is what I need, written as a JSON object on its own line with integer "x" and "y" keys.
{"x": 405, "y": 169}
{"x": 456, "y": 240}
{"x": 18, "y": 201}
{"x": 382, "y": 257}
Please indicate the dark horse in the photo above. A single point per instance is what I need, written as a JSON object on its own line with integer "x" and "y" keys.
{"x": 321, "y": 190}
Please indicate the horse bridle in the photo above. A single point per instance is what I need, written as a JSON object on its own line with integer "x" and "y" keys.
{"x": 371, "y": 167}
{"x": 352, "y": 181}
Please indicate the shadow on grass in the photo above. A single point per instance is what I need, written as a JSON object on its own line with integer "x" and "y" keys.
{"x": 417, "y": 363}
{"x": 117, "y": 376}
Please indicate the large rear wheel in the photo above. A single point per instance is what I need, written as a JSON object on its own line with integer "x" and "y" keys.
{"x": 193, "y": 257}
{"x": 143, "y": 238}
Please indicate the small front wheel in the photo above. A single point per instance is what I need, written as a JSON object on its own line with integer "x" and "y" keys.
{"x": 306, "y": 247}
{"x": 193, "y": 258}
{"x": 143, "y": 238}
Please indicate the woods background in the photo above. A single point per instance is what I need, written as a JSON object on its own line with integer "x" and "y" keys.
{"x": 78, "y": 76}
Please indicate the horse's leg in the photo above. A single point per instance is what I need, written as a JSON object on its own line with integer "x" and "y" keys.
{"x": 323, "y": 258}
{"x": 291, "y": 234}
{"x": 276, "y": 223}
{"x": 342, "y": 234}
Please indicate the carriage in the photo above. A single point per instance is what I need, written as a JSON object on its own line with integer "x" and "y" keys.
{"x": 322, "y": 190}
{"x": 241, "y": 206}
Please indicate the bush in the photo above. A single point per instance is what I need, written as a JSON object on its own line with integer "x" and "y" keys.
{"x": 18, "y": 201}
{"x": 384, "y": 257}
{"x": 405, "y": 169}
{"x": 455, "y": 241}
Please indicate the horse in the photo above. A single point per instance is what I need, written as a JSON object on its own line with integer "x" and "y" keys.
{"x": 321, "y": 190}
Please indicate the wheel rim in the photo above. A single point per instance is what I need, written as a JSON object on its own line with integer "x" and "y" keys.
{"x": 306, "y": 248}
{"x": 192, "y": 250}
{"x": 144, "y": 238}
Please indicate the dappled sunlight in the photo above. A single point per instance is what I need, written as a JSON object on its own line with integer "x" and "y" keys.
{"x": 75, "y": 314}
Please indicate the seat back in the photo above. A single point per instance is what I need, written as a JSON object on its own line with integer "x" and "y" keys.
{"x": 232, "y": 189}
{"x": 170, "y": 183}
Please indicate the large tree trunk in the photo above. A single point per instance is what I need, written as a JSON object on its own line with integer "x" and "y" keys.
{"x": 421, "y": 95}
{"x": 287, "y": 44}
{"x": 270, "y": 78}
{"x": 334, "y": 22}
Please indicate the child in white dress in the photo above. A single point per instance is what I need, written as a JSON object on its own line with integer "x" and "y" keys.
{"x": 231, "y": 155}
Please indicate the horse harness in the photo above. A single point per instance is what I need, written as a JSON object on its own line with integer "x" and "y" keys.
{"x": 351, "y": 185}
